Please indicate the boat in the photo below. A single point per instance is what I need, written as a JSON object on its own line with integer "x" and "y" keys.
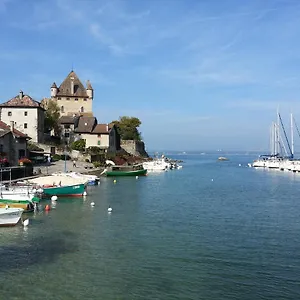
{"x": 54, "y": 185}
{"x": 222, "y": 158}
{"x": 89, "y": 179}
{"x": 26, "y": 205}
{"x": 133, "y": 170}
{"x": 10, "y": 216}
{"x": 67, "y": 190}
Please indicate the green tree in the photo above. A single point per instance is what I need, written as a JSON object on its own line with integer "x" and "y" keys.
{"x": 52, "y": 115}
{"x": 127, "y": 127}
{"x": 78, "y": 145}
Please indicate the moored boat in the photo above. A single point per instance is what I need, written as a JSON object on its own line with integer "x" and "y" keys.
{"x": 67, "y": 190}
{"x": 134, "y": 170}
{"x": 10, "y": 216}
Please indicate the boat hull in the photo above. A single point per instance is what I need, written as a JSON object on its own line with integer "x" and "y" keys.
{"x": 27, "y": 206}
{"x": 65, "y": 191}
{"x": 10, "y": 216}
{"x": 126, "y": 173}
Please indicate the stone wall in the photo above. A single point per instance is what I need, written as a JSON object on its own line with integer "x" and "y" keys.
{"x": 136, "y": 148}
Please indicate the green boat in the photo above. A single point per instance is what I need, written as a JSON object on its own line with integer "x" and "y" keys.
{"x": 135, "y": 170}
{"x": 67, "y": 190}
{"x": 27, "y": 205}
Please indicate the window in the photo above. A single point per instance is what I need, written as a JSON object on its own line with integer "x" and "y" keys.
{"x": 76, "y": 99}
{"x": 62, "y": 109}
{"x": 99, "y": 135}
{"x": 84, "y": 99}
{"x": 1, "y": 148}
{"x": 25, "y": 125}
{"x": 67, "y": 134}
{"x": 81, "y": 109}
{"x": 9, "y": 113}
{"x": 68, "y": 98}
{"x": 58, "y": 98}
{"x": 99, "y": 143}
{"x": 25, "y": 113}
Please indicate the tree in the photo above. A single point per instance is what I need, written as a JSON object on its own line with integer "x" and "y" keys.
{"x": 127, "y": 127}
{"x": 78, "y": 145}
{"x": 52, "y": 115}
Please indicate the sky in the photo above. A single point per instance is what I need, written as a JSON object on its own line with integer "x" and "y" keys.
{"x": 200, "y": 74}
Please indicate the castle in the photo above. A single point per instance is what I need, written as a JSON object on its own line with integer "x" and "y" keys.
{"x": 72, "y": 97}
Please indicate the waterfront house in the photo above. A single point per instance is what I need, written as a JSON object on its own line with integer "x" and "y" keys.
{"x": 27, "y": 115}
{"x": 13, "y": 143}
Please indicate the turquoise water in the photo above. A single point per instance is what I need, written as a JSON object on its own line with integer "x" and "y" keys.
{"x": 212, "y": 230}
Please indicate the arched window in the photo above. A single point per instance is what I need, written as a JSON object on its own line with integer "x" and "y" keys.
{"x": 81, "y": 109}
{"x": 62, "y": 109}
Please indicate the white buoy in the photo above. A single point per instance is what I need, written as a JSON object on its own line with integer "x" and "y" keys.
{"x": 54, "y": 198}
{"x": 136, "y": 177}
{"x": 93, "y": 204}
{"x": 26, "y": 222}
{"x": 240, "y": 165}
{"x": 109, "y": 209}
{"x": 115, "y": 181}
{"x": 212, "y": 180}
{"x": 84, "y": 193}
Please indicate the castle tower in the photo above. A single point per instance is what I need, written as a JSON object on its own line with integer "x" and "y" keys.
{"x": 53, "y": 90}
{"x": 72, "y": 97}
{"x": 89, "y": 90}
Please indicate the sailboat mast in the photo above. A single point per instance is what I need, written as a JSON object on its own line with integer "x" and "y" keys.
{"x": 292, "y": 135}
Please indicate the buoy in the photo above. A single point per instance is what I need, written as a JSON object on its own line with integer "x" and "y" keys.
{"x": 109, "y": 209}
{"x": 115, "y": 181}
{"x": 84, "y": 193}
{"x": 93, "y": 204}
{"x": 47, "y": 207}
{"x": 136, "y": 177}
{"x": 240, "y": 165}
{"x": 26, "y": 222}
{"x": 54, "y": 198}
{"x": 212, "y": 180}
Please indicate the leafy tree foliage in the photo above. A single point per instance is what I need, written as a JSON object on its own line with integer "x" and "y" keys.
{"x": 52, "y": 115}
{"x": 78, "y": 145}
{"x": 127, "y": 127}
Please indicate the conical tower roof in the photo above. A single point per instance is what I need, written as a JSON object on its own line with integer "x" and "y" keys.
{"x": 65, "y": 88}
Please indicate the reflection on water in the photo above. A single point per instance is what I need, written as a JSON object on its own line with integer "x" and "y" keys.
{"x": 175, "y": 235}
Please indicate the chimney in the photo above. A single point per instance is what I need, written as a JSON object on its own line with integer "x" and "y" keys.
{"x": 107, "y": 127}
{"x": 21, "y": 95}
{"x": 12, "y": 126}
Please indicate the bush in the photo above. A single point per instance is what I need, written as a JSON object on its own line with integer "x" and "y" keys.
{"x": 78, "y": 145}
{"x": 65, "y": 157}
{"x": 25, "y": 162}
{"x": 97, "y": 164}
{"x": 55, "y": 157}
{"x": 94, "y": 150}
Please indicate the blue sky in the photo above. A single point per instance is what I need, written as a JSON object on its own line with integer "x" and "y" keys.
{"x": 200, "y": 74}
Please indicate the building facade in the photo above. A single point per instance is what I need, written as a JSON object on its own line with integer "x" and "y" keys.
{"x": 27, "y": 115}
{"x": 72, "y": 97}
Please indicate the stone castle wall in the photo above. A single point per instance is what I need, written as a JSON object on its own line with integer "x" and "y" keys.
{"x": 136, "y": 148}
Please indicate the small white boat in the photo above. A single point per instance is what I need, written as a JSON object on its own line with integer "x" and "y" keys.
{"x": 90, "y": 179}
{"x": 10, "y": 216}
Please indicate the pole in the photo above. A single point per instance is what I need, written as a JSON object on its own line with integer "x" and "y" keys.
{"x": 65, "y": 159}
{"x": 292, "y": 135}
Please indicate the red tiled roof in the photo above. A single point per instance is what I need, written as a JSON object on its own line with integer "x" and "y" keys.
{"x": 102, "y": 128}
{"x": 18, "y": 133}
{"x": 21, "y": 100}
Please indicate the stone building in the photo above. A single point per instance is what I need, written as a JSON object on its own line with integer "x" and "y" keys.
{"x": 72, "y": 97}
{"x": 27, "y": 115}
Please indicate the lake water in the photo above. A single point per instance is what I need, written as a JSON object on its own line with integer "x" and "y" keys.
{"x": 212, "y": 230}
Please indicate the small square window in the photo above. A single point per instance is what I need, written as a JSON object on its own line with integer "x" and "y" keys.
{"x": 58, "y": 98}
{"x": 25, "y": 125}
{"x": 99, "y": 135}
{"x": 67, "y": 134}
{"x": 76, "y": 99}
{"x": 25, "y": 113}
{"x": 68, "y": 98}
{"x": 9, "y": 113}
{"x": 85, "y": 99}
